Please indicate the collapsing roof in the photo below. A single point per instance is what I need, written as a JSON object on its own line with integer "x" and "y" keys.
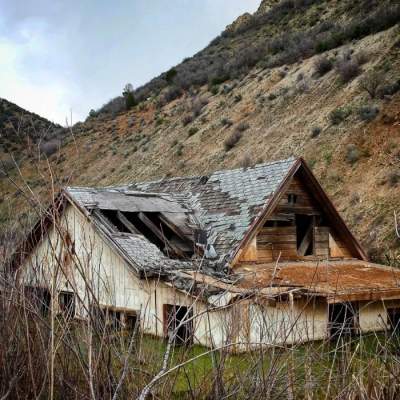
{"x": 173, "y": 227}
{"x": 210, "y": 213}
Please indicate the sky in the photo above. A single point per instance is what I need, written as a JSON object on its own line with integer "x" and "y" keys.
{"x": 63, "y": 58}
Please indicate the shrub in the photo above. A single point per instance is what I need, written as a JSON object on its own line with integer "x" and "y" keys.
{"x": 348, "y": 70}
{"x": 368, "y": 113}
{"x": 179, "y": 150}
{"x": 242, "y": 126}
{"x": 315, "y": 131}
{"x": 232, "y": 140}
{"x": 129, "y": 96}
{"x": 394, "y": 178}
{"x": 170, "y": 75}
{"x": 214, "y": 90}
{"x": 226, "y": 122}
{"x": 192, "y": 131}
{"x": 353, "y": 154}
{"x": 172, "y": 93}
{"x": 238, "y": 98}
{"x": 388, "y": 90}
{"x": 50, "y": 147}
{"x": 187, "y": 119}
{"x": 197, "y": 106}
{"x": 339, "y": 115}
{"x": 246, "y": 161}
{"x": 371, "y": 82}
{"x": 323, "y": 65}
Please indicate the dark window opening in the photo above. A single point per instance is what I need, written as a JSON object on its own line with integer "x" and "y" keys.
{"x": 394, "y": 319}
{"x": 178, "y": 322}
{"x": 131, "y": 319}
{"x": 40, "y": 299}
{"x": 305, "y": 235}
{"x": 66, "y": 301}
{"x": 155, "y": 228}
{"x": 114, "y": 320}
{"x": 342, "y": 320}
{"x": 292, "y": 198}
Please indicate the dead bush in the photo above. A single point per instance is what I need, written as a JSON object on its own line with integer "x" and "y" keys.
{"x": 187, "y": 119}
{"x": 348, "y": 69}
{"x": 232, "y": 140}
{"x": 242, "y": 126}
{"x": 371, "y": 82}
{"x": 323, "y": 65}
{"x": 315, "y": 131}
{"x": 394, "y": 178}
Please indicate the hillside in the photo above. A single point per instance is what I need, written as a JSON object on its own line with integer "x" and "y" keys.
{"x": 318, "y": 79}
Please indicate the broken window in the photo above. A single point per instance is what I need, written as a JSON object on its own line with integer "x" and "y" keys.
{"x": 305, "y": 234}
{"x": 178, "y": 322}
{"x": 155, "y": 227}
{"x": 66, "y": 302}
{"x": 342, "y": 320}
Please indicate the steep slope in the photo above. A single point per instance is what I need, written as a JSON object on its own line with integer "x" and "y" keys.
{"x": 304, "y": 78}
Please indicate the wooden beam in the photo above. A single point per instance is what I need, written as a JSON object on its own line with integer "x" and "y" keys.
{"x": 305, "y": 243}
{"x": 154, "y": 228}
{"x": 128, "y": 224}
{"x": 173, "y": 227}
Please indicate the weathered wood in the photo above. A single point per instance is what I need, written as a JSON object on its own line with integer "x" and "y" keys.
{"x": 156, "y": 231}
{"x": 128, "y": 224}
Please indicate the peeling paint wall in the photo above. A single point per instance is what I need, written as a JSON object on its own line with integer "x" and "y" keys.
{"x": 373, "y": 315}
{"x": 288, "y": 323}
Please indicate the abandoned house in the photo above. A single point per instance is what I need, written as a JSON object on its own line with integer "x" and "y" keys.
{"x": 235, "y": 259}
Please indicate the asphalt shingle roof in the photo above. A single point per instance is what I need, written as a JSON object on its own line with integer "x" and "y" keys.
{"x": 224, "y": 204}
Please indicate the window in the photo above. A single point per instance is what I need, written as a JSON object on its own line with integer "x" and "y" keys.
{"x": 131, "y": 319}
{"x": 66, "y": 302}
{"x": 292, "y": 198}
{"x": 342, "y": 319}
{"x": 40, "y": 299}
{"x": 177, "y": 321}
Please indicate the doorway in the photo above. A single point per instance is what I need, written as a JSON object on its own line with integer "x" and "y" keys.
{"x": 178, "y": 321}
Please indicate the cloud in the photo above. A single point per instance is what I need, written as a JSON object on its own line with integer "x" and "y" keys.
{"x": 62, "y": 56}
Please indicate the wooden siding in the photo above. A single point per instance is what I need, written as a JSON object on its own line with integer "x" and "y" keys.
{"x": 278, "y": 238}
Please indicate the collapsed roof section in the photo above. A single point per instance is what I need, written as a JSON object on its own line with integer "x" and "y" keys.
{"x": 166, "y": 224}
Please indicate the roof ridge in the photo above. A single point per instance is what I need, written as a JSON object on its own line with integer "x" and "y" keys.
{"x": 191, "y": 177}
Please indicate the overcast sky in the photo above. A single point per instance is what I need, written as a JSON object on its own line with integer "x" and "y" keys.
{"x": 57, "y": 56}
